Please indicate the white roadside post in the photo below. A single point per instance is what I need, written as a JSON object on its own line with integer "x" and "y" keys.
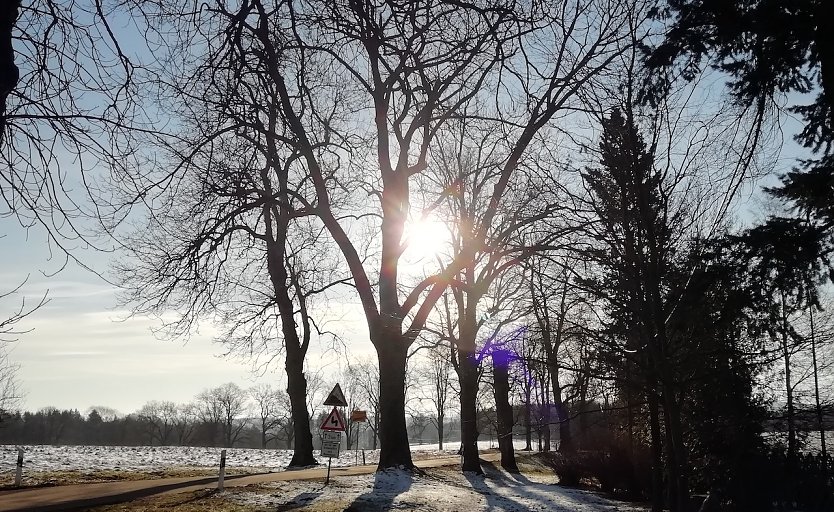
{"x": 332, "y": 427}
{"x": 18, "y": 476}
{"x": 222, "y": 470}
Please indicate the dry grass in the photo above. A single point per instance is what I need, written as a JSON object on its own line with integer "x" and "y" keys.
{"x": 198, "y": 501}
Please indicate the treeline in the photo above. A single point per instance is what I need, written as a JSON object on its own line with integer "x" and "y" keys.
{"x": 225, "y": 416}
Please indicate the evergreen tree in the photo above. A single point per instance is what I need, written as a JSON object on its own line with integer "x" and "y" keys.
{"x": 634, "y": 245}
{"x": 769, "y": 48}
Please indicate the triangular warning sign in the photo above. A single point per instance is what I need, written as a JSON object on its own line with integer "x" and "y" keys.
{"x": 336, "y": 397}
{"x": 334, "y": 421}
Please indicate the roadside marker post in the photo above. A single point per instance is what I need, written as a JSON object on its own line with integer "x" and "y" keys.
{"x": 222, "y": 470}
{"x": 18, "y": 476}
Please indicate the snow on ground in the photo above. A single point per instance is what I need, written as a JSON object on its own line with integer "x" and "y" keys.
{"x": 439, "y": 490}
{"x": 153, "y": 458}
{"x": 150, "y": 458}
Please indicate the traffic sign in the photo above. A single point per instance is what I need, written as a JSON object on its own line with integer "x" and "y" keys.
{"x": 334, "y": 422}
{"x": 336, "y": 397}
{"x": 359, "y": 416}
{"x": 330, "y": 443}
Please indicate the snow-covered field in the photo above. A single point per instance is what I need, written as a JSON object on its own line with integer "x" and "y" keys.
{"x": 152, "y": 458}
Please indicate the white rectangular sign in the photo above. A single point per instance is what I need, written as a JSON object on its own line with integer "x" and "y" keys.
{"x": 330, "y": 442}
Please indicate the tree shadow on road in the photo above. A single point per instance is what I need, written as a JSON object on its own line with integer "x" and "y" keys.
{"x": 479, "y": 485}
{"x": 301, "y": 500}
{"x": 388, "y": 484}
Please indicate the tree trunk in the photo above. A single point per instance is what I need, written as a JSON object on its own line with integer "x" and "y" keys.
{"x": 820, "y": 424}
{"x": 528, "y": 430}
{"x": 277, "y": 229}
{"x": 672, "y": 465}
{"x": 500, "y": 371}
{"x": 657, "y": 450}
{"x": 297, "y": 390}
{"x": 440, "y": 420}
{"x": 468, "y": 377}
{"x": 393, "y": 434}
{"x": 562, "y": 415}
{"x": 9, "y": 74}
{"x": 786, "y": 354}
{"x": 546, "y": 417}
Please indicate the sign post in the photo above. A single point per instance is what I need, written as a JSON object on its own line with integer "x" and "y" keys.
{"x": 333, "y": 427}
{"x": 357, "y": 416}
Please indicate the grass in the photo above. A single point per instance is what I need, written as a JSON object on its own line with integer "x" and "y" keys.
{"x": 197, "y": 501}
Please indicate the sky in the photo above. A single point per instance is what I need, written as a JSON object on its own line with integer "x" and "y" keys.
{"x": 84, "y": 350}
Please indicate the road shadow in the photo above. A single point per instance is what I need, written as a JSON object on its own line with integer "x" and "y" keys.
{"x": 301, "y": 500}
{"x": 388, "y": 484}
{"x": 494, "y": 501}
{"x": 508, "y": 491}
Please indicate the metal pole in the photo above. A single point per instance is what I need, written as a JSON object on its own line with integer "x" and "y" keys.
{"x": 222, "y": 470}
{"x": 327, "y": 480}
{"x": 18, "y": 476}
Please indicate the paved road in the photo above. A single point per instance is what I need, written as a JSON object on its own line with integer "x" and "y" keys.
{"x": 70, "y": 497}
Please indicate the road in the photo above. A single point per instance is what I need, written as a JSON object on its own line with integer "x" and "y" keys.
{"x": 72, "y": 497}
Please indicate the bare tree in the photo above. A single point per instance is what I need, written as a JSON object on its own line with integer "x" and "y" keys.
{"x": 436, "y": 380}
{"x": 367, "y": 377}
{"x": 160, "y": 418}
{"x": 184, "y": 423}
{"x": 221, "y": 409}
{"x": 551, "y": 332}
{"x": 10, "y": 391}
{"x": 344, "y": 88}
{"x": 231, "y": 400}
{"x": 69, "y": 109}
{"x": 267, "y": 408}
{"x": 230, "y": 234}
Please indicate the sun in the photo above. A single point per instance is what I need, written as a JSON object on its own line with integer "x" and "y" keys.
{"x": 425, "y": 240}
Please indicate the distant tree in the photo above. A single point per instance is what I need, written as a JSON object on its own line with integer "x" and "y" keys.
{"x": 185, "y": 422}
{"x": 551, "y": 304}
{"x": 10, "y": 391}
{"x": 231, "y": 401}
{"x": 160, "y": 418}
{"x": 9, "y": 388}
{"x": 436, "y": 379}
{"x": 268, "y": 411}
{"x": 367, "y": 381}
{"x": 785, "y": 261}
